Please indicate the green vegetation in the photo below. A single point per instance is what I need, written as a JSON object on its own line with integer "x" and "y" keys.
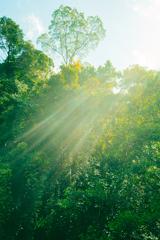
{"x": 78, "y": 160}
{"x": 70, "y": 34}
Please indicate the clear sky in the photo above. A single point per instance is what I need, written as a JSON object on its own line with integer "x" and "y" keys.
{"x": 132, "y": 27}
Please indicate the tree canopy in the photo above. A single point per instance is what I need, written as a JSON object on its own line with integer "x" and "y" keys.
{"x": 78, "y": 160}
{"x": 70, "y": 34}
{"x": 11, "y": 37}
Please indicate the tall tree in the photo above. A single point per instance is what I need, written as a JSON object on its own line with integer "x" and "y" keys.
{"x": 11, "y": 40}
{"x": 70, "y": 34}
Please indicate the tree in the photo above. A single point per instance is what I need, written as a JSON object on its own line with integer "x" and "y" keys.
{"x": 32, "y": 66}
{"x": 70, "y": 34}
{"x": 108, "y": 75}
{"x": 11, "y": 40}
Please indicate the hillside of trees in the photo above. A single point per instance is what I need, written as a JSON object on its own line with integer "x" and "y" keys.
{"x": 79, "y": 149}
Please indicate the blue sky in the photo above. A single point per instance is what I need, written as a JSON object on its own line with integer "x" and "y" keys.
{"x": 132, "y": 27}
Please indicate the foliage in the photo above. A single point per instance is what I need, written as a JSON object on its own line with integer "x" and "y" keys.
{"x": 70, "y": 34}
{"x": 78, "y": 160}
{"x": 11, "y": 41}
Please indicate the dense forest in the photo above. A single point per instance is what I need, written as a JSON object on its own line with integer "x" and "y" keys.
{"x": 80, "y": 148}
